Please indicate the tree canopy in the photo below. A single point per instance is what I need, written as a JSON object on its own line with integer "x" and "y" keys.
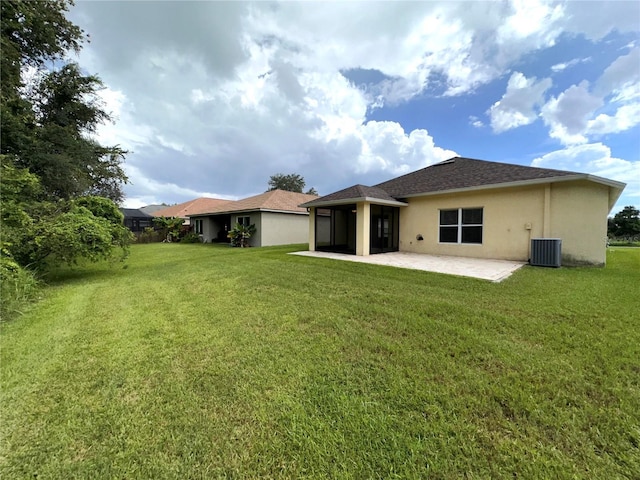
{"x": 625, "y": 223}
{"x": 49, "y": 115}
{"x": 291, "y": 183}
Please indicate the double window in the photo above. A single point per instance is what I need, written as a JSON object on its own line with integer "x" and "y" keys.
{"x": 461, "y": 225}
{"x": 198, "y": 226}
{"x": 246, "y": 221}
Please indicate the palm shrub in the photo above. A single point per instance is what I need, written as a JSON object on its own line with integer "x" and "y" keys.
{"x": 240, "y": 235}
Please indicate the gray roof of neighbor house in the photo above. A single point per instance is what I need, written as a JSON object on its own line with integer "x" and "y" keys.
{"x": 134, "y": 213}
{"x": 152, "y": 208}
{"x": 460, "y": 173}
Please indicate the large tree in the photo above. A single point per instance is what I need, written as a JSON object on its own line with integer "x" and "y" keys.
{"x": 58, "y": 183}
{"x": 291, "y": 183}
{"x": 49, "y": 116}
{"x": 625, "y": 223}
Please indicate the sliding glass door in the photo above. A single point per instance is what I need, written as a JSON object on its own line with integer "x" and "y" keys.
{"x": 384, "y": 229}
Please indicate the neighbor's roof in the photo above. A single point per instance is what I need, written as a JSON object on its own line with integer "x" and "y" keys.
{"x": 457, "y": 174}
{"x": 274, "y": 200}
{"x": 183, "y": 210}
{"x": 152, "y": 208}
{"x": 134, "y": 213}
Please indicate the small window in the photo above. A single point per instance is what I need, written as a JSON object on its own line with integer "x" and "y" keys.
{"x": 461, "y": 225}
{"x": 197, "y": 226}
{"x": 246, "y": 221}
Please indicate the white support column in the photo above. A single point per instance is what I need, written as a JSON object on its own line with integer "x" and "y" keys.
{"x": 363, "y": 234}
{"x": 312, "y": 229}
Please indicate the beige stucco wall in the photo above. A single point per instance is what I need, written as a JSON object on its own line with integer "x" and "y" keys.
{"x": 311, "y": 238}
{"x": 282, "y": 229}
{"x": 579, "y": 217}
{"x": 576, "y": 213}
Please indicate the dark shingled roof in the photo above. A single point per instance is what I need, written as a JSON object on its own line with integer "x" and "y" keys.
{"x": 134, "y": 213}
{"x": 351, "y": 193}
{"x": 459, "y": 172}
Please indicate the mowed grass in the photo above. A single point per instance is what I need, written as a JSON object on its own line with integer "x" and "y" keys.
{"x": 200, "y": 361}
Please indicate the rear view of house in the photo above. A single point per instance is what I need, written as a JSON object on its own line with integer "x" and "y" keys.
{"x": 278, "y": 218}
{"x": 472, "y": 208}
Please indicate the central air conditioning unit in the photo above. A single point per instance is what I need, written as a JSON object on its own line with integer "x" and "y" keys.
{"x": 546, "y": 252}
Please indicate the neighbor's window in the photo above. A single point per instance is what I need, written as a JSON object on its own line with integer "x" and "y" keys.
{"x": 461, "y": 225}
{"x": 244, "y": 221}
{"x": 198, "y": 226}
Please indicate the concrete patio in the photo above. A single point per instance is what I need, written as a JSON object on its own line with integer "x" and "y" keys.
{"x": 485, "y": 269}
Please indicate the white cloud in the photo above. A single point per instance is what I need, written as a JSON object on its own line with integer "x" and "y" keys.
{"x": 387, "y": 148}
{"x": 568, "y": 114}
{"x": 475, "y": 121}
{"x": 623, "y": 74}
{"x": 534, "y": 21}
{"x": 559, "y": 67}
{"x": 217, "y": 96}
{"x": 518, "y": 105}
{"x": 595, "y": 158}
{"x": 146, "y": 191}
{"x": 626, "y": 117}
{"x": 125, "y": 129}
{"x": 596, "y": 20}
{"x": 612, "y": 106}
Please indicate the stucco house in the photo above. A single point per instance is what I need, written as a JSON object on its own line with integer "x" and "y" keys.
{"x": 278, "y": 218}
{"x": 471, "y": 208}
{"x": 183, "y": 210}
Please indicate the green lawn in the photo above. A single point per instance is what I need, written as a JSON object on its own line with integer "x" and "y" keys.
{"x": 200, "y": 361}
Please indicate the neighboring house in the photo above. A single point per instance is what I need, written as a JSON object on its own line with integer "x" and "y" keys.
{"x": 183, "y": 210}
{"x": 276, "y": 214}
{"x": 136, "y": 220}
{"x": 470, "y": 208}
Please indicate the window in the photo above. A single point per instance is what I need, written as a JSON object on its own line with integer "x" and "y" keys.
{"x": 197, "y": 227}
{"x": 246, "y": 221}
{"x": 461, "y": 225}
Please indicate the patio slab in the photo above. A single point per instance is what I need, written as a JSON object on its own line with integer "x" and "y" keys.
{"x": 485, "y": 269}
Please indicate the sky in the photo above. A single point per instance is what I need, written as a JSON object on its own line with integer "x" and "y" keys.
{"x": 212, "y": 98}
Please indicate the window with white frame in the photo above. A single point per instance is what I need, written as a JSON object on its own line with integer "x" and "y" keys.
{"x": 197, "y": 227}
{"x": 246, "y": 221}
{"x": 461, "y": 225}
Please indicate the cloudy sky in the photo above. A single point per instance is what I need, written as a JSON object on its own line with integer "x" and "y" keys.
{"x": 212, "y": 98}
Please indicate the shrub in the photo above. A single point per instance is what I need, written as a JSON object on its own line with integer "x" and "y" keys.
{"x": 149, "y": 235}
{"x": 18, "y": 286}
{"x": 240, "y": 235}
{"x": 191, "y": 237}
